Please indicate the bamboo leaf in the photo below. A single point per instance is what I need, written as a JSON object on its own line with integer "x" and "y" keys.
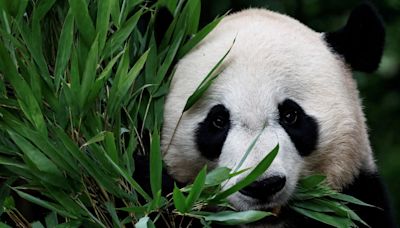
{"x": 91, "y": 167}
{"x": 217, "y": 176}
{"x": 253, "y": 175}
{"x": 196, "y": 189}
{"x": 89, "y": 73}
{"x": 179, "y": 200}
{"x": 172, "y": 50}
{"x": 84, "y": 22}
{"x": 64, "y": 48}
{"x": 111, "y": 210}
{"x": 193, "y": 14}
{"x": 110, "y": 147}
{"x": 350, "y": 199}
{"x": 199, "y": 36}
{"x": 248, "y": 150}
{"x": 123, "y": 82}
{"x": 119, "y": 37}
{"x": 129, "y": 179}
{"x": 3, "y": 225}
{"x": 236, "y": 218}
{"x": 40, "y": 161}
{"x": 325, "y": 218}
{"x": 201, "y": 89}
{"x": 102, "y": 20}
{"x": 45, "y": 204}
{"x": 311, "y": 181}
{"x": 5, "y": 192}
{"x": 97, "y": 138}
{"x": 26, "y": 99}
{"x": 155, "y": 164}
{"x": 51, "y": 219}
{"x": 37, "y": 224}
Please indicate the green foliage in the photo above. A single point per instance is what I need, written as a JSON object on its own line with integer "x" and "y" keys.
{"x": 314, "y": 199}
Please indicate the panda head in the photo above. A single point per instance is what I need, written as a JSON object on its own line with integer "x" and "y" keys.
{"x": 282, "y": 75}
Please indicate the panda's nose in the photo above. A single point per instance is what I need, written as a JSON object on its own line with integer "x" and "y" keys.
{"x": 265, "y": 188}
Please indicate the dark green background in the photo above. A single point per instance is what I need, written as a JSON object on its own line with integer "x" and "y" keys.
{"x": 380, "y": 91}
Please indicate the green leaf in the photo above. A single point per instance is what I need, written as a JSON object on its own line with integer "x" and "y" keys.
{"x": 129, "y": 179}
{"x": 199, "y": 36}
{"x": 325, "y": 218}
{"x": 40, "y": 161}
{"x": 123, "y": 82}
{"x": 3, "y": 225}
{"x": 12, "y": 7}
{"x": 45, "y": 204}
{"x": 179, "y": 200}
{"x": 110, "y": 147}
{"x": 57, "y": 155}
{"x": 68, "y": 203}
{"x": 64, "y": 48}
{"x": 312, "y": 205}
{"x": 72, "y": 224}
{"x": 155, "y": 164}
{"x": 102, "y": 20}
{"x": 248, "y": 150}
{"x": 253, "y": 175}
{"x": 97, "y": 138}
{"x": 91, "y": 167}
{"x": 217, "y": 176}
{"x": 341, "y": 210}
{"x": 5, "y": 192}
{"x": 101, "y": 80}
{"x": 311, "y": 181}
{"x": 172, "y": 50}
{"x": 89, "y": 74}
{"x": 119, "y": 37}
{"x": 111, "y": 210}
{"x": 193, "y": 13}
{"x": 26, "y": 98}
{"x": 169, "y": 4}
{"x": 37, "y": 224}
{"x": 236, "y": 218}
{"x": 84, "y": 22}
{"x": 51, "y": 219}
{"x": 201, "y": 89}
{"x": 350, "y": 199}
{"x": 196, "y": 189}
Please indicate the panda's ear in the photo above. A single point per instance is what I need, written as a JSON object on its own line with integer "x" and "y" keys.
{"x": 360, "y": 42}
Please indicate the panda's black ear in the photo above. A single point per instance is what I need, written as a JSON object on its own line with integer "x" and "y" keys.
{"x": 361, "y": 40}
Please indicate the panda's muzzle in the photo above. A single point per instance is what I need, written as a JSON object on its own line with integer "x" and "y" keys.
{"x": 264, "y": 189}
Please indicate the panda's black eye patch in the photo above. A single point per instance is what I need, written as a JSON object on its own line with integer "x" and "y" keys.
{"x": 212, "y": 131}
{"x": 301, "y": 128}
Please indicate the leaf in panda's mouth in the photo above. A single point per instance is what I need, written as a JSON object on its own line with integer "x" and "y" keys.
{"x": 316, "y": 200}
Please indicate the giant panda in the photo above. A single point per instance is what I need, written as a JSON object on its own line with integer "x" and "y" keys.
{"x": 298, "y": 84}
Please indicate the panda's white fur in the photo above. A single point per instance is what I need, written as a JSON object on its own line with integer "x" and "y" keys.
{"x": 274, "y": 57}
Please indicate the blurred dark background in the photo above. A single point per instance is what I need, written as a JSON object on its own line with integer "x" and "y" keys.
{"x": 380, "y": 91}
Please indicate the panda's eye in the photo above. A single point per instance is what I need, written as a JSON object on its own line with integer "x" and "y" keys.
{"x": 289, "y": 117}
{"x": 289, "y": 113}
{"x": 219, "y": 122}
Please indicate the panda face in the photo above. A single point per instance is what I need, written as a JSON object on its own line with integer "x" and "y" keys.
{"x": 280, "y": 81}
